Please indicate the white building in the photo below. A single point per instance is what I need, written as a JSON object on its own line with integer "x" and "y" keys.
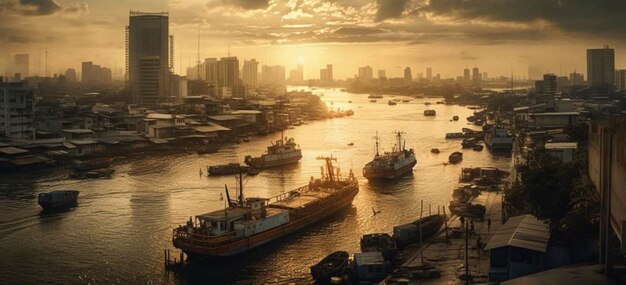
{"x": 16, "y": 111}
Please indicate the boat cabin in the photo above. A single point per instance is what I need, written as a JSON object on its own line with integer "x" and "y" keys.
{"x": 370, "y": 265}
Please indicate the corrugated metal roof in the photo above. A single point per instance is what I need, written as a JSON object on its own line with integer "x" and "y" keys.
{"x": 524, "y": 231}
{"x": 12, "y": 150}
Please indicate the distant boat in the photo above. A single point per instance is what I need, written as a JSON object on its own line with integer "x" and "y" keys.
{"x": 478, "y": 147}
{"x": 350, "y": 101}
{"x": 375, "y": 96}
{"x": 430, "y": 112}
{"x": 455, "y": 118}
{"x": 406, "y": 101}
{"x": 87, "y": 165}
{"x": 391, "y": 103}
{"x": 331, "y": 266}
{"x": 434, "y": 150}
{"x": 225, "y": 169}
{"x": 56, "y": 200}
{"x": 350, "y": 144}
{"x": 455, "y": 157}
{"x": 283, "y": 152}
{"x": 373, "y": 101}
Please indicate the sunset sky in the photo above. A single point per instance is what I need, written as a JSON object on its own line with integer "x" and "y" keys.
{"x": 499, "y": 36}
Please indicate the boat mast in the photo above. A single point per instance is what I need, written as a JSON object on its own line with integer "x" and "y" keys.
{"x": 376, "y": 138}
{"x": 241, "y": 187}
{"x": 399, "y": 138}
{"x": 329, "y": 167}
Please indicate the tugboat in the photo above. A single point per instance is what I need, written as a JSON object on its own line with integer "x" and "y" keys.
{"x": 58, "y": 200}
{"x": 246, "y": 223}
{"x": 283, "y": 152}
{"x": 331, "y": 266}
{"x": 390, "y": 165}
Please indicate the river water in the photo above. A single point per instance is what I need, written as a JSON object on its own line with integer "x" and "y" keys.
{"x": 118, "y": 232}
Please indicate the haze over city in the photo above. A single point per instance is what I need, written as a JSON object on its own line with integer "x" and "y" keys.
{"x": 501, "y": 37}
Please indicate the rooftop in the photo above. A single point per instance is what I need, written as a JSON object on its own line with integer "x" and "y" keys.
{"x": 224, "y": 117}
{"x": 78, "y": 131}
{"x": 225, "y": 214}
{"x": 523, "y": 231}
{"x": 561, "y": 145}
{"x": 210, "y": 128}
{"x": 12, "y": 150}
{"x": 556, "y": 114}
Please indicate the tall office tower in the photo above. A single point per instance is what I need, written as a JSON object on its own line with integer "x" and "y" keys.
{"x": 382, "y": 74}
{"x": 250, "y": 72}
{"x": 211, "y": 69}
{"x": 70, "y": 75}
{"x": 576, "y": 78}
{"x": 466, "y": 75}
{"x": 329, "y": 72}
{"x": 323, "y": 75}
{"x": 16, "y": 110}
{"x": 86, "y": 72}
{"x": 273, "y": 75}
{"x": 601, "y": 68}
{"x": 549, "y": 84}
{"x": 484, "y": 76}
{"x": 297, "y": 75}
{"x": 300, "y": 69}
{"x": 148, "y": 57}
{"x": 620, "y": 80}
{"x": 429, "y": 73}
{"x": 407, "y": 74}
{"x": 21, "y": 64}
{"x": 476, "y": 76}
{"x": 366, "y": 72}
{"x": 228, "y": 72}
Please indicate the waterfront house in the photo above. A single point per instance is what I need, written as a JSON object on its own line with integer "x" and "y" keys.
{"x": 73, "y": 134}
{"x": 517, "y": 248}
{"x": 552, "y": 119}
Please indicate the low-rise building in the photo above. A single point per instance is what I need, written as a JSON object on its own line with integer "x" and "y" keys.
{"x": 565, "y": 151}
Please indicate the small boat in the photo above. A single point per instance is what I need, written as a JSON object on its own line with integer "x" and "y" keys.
{"x": 434, "y": 150}
{"x": 467, "y": 143}
{"x": 468, "y": 130}
{"x": 479, "y": 122}
{"x": 430, "y": 112}
{"x": 56, "y": 200}
{"x": 350, "y": 101}
{"x": 471, "y": 118}
{"x": 410, "y": 233}
{"x": 406, "y": 101}
{"x": 455, "y": 118}
{"x": 391, "y": 103}
{"x": 208, "y": 149}
{"x": 350, "y": 144}
{"x": 419, "y": 97}
{"x": 332, "y": 265}
{"x": 88, "y": 165}
{"x": 253, "y": 171}
{"x": 375, "y": 96}
{"x": 467, "y": 209}
{"x": 478, "y": 147}
{"x": 455, "y": 135}
{"x": 455, "y": 157}
{"x": 381, "y": 242}
{"x": 225, "y": 169}
{"x": 373, "y": 101}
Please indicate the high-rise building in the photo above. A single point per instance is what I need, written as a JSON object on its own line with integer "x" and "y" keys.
{"x": 382, "y": 74}
{"x": 601, "y": 67}
{"x": 476, "y": 76}
{"x": 228, "y": 72}
{"x": 147, "y": 57}
{"x": 273, "y": 75}
{"x": 429, "y": 73}
{"x": 549, "y": 84}
{"x": 366, "y": 73}
{"x": 620, "y": 80}
{"x": 95, "y": 74}
{"x": 250, "y": 72}
{"x": 297, "y": 75}
{"x": 70, "y": 75}
{"x": 16, "y": 110}
{"x": 323, "y": 75}
{"x": 576, "y": 78}
{"x": 407, "y": 74}
{"x": 466, "y": 75}
{"x": 329, "y": 72}
{"x": 21, "y": 64}
{"x": 210, "y": 65}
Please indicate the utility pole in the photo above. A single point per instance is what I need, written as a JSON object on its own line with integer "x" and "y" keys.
{"x": 467, "y": 280}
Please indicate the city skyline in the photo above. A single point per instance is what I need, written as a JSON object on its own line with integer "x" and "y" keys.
{"x": 390, "y": 35}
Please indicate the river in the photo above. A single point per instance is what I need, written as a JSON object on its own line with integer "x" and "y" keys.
{"x": 118, "y": 232}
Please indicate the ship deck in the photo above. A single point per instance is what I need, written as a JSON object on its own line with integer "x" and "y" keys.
{"x": 302, "y": 200}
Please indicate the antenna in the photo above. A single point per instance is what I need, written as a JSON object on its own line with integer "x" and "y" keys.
{"x": 376, "y": 137}
{"x": 198, "y": 62}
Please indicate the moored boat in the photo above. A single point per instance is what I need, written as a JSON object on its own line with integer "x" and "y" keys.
{"x": 478, "y": 147}
{"x": 434, "y": 150}
{"x": 455, "y": 118}
{"x": 331, "y": 266}
{"x": 93, "y": 164}
{"x": 455, "y": 157}
{"x": 283, "y": 152}
{"x": 390, "y": 165}
{"x": 430, "y": 112}
{"x": 381, "y": 242}
{"x": 57, "y": 200}
{"x": 248, "y": 223}
{"x": 410, "y": 233}
{"x": 225, "y": 169}
{"x": 375, "y": 96}
{"x": 391, "y": 103}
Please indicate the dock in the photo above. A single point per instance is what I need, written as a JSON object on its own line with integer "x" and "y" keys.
{"x": 447, "y": 258}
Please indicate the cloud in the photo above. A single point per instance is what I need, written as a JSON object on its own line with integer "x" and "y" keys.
{"x": 389, "y": 9}
{"x": 39, "y": 7}
{"x": 597, "y": 17}
{"x": 357, "y": 31}
{"x": 248, "y": 4}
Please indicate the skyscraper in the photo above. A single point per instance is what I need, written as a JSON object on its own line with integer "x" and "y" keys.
{"x": 210, "y": 65}
{"x": 70, "y": 75}
{"x": 620, "y": 80}
{"x": 273, "y": 75}
{"x": 549, "y": 84}
{"x": 476, "y": 76}
{"x": 329, "y": 72}
{"x": 466, "y": 75}
{"x": 250, "y": 72}
{"x": 147, "y": 57}
{"x": 576, "y": 78}
{"x": 429, "y": 73}
{"x": 366, "y": 73}
{"x": 407, "y": 74}
{"x": 382, "y": 74}
{"x": 601, "y": 67}
{"x": 228, "y": 72}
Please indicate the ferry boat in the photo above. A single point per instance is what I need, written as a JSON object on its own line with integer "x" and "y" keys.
{"x": 499, "y": 139}
{"x": 225, "y": 169}
{"x": 375, "y": 96}
{"x": 283, "y": 152}
{"x": 391, "y": 103}
{"x": 248, "y": 223}
{"x": 57, "y": 200}
{"x": 390, "y": 165}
